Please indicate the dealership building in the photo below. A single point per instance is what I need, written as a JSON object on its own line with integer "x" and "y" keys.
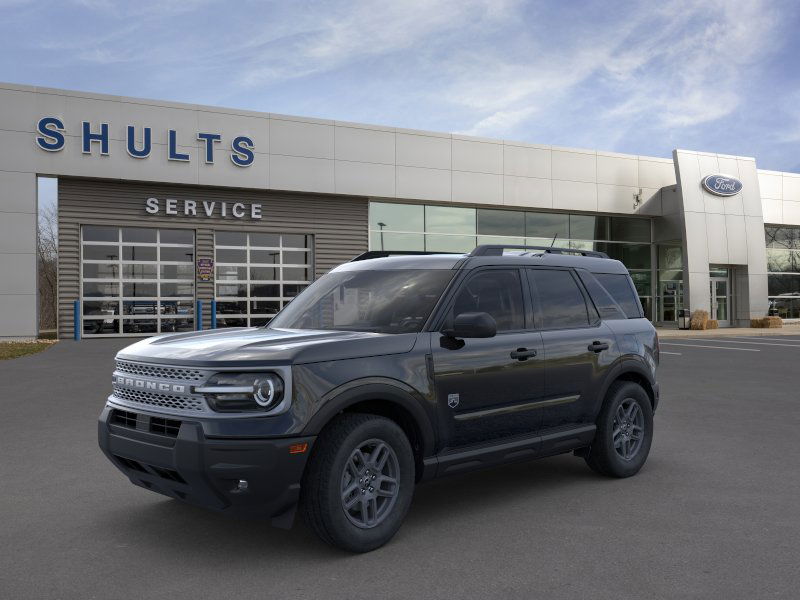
{"x": 175, "y": 217}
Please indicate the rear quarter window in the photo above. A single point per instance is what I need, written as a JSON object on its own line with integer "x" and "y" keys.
{"x": 606, "y": 305}
{"x": 620, "y": 288}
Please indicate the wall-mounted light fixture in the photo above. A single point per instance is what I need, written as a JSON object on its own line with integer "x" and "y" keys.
{"x": 637, "y": 199}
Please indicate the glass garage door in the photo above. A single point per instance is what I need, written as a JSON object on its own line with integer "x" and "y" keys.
{"x": 257, "y": 274}
{"x": 136, "y": 280}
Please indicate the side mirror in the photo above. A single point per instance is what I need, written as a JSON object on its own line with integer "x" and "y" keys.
{"x": 472, "y": 325}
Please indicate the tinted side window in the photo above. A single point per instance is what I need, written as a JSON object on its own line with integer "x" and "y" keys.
{"x": 560, "y": 300}
{"x": 608, "y": 307}
{"x": 497, "y": 292}
{"x": 621, "y": 290}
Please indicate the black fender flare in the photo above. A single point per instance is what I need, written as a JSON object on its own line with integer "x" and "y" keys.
{"x": 375, "y": 388}
{"x": 623, "y": 367}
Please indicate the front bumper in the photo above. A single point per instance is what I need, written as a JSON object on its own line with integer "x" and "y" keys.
{"x": 174, "y": 457}
{"x": 656, "y": 396}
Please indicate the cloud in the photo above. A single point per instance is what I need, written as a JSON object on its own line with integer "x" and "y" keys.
{"x": 141, "y": 8}
{"x": 698, "y": 73}
{"x": 623, "y": 75}
{"x": 789, "y": 132}
{"x": 357, "y": 31}
{"x": 676, "y": 65}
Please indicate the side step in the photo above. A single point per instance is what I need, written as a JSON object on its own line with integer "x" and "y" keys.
{"x": 537, "y": 446}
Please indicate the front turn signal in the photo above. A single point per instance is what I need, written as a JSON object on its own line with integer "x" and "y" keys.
{"x": 298, "y": 448}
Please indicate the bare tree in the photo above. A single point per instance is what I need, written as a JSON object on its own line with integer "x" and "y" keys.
{"x": 47, "y": 267}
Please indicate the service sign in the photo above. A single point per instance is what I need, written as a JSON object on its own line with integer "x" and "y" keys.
{"x": 205, "y": 269}
{"x": 171, "y": 207}
{"x": 722, "y": 185}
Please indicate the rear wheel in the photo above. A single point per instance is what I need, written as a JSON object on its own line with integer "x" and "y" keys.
{"x": 358, "y": 485}
{"x": 624, "y": 432}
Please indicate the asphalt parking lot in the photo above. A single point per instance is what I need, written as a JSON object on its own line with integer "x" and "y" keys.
{"x": 715, "y": 513}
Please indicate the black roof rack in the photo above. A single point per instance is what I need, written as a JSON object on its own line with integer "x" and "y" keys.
{"x": 497, "y": 250}
{"x": 385, "y": 253}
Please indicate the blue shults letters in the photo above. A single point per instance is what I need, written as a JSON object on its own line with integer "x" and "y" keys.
{"x": 88, "y": 137}
{"x": 51, "y": 135}
{"x": 131, "y": 143}
{"x": 242, "y": 151}
{"x": 209, "y": 139}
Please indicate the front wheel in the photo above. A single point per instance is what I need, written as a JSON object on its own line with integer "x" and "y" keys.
{"x": 358, "y": 485}
{"x": 624, "y": 432}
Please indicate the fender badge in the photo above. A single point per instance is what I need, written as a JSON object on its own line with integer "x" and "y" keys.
{"x": 452, "y": 400}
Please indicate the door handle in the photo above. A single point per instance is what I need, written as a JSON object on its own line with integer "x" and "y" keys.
{"x": 598, "y": 346}
{"x": 523, "y": 353}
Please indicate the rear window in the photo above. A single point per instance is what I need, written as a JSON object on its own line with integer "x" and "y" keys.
{"x": 621, "y": 289}
{"x": 560, "y": 300}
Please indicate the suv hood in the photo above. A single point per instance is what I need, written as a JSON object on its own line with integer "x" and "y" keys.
{"x": 259, "y": 346}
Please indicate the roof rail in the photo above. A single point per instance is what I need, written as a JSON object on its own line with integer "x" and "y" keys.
{"x": 497, "y": 250}
{"x": 385, "y": 253}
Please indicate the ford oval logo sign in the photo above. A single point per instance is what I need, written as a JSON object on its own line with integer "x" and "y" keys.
{"x": 722, "y": 185}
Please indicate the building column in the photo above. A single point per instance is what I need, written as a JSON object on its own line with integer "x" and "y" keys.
{"x": 18, "y": 221}
{"x": 726, "y": 231}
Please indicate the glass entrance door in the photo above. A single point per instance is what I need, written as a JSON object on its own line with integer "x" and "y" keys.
{"x": 670, "y": 294}
{"x": 720, "y": 300}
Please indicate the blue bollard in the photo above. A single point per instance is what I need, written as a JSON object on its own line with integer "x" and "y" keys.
{"x": 76, "y": 319}
{"x": 198, "y": 316}
{"x": 214, "y": 313}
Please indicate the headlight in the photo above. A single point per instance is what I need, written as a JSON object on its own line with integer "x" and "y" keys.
{"x": 237, "y": 392}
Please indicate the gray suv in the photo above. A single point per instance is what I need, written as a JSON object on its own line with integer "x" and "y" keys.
{"x": 388, "y": 371}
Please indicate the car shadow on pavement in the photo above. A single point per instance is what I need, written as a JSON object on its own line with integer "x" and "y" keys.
{"x": 177, "y": 527}
{"x": 460, "y": 496}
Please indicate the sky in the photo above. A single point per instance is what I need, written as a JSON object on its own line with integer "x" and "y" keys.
{"x": 633, "y": 77}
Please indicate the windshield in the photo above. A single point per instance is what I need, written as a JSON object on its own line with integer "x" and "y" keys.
{"x": 396, "y": 301}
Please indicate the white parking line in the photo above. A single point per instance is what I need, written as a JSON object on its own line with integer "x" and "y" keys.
{"x": 767, "y": 336}
{"x": 734, "y": 341}
{"x": 715, "y": 347}
{"x": 675, "y": 353}
{"x": 787, "y": 339}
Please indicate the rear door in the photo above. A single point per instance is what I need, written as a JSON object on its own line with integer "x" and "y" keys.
{"x": 486, "y": 388}
{"x": 578, "y": 347}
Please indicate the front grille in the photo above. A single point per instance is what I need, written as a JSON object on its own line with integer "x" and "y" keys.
{"x": 145, "y": 370}
{"x": 123, "y": 418}
{"x": 170, "y": 401}
{"x": 161, "y": 426}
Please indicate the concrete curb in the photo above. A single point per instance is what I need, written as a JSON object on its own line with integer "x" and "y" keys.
{"x": 729, "y": 332}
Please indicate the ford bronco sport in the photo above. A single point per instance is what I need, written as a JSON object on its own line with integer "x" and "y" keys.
{"x": 388, "y": 371}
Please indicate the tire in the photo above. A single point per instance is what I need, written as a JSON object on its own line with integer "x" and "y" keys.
{"x": 336, "y": 475}
{"x": 628, "y": 403}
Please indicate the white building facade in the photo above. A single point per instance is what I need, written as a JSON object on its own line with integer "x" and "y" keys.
{"x": 174, "y": 217}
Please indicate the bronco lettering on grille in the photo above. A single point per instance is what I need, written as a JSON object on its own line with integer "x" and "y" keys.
{"x": 143, "y": 384}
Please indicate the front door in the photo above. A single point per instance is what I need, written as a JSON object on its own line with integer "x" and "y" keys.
{"x": 720, "y": 300}
{"x": 487, "y": 388}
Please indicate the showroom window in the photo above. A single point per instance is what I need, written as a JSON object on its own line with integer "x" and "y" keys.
{"x": 783, "y": 268}
{"x": 394, "y": 226}
{"x": 136, "y": 280}
{"x": 257, "y": 274}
